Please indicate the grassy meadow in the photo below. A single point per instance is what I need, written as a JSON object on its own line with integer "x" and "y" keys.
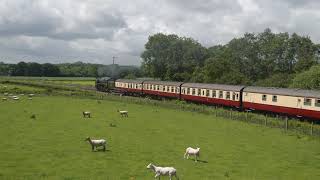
{"x": 51, "y": 145}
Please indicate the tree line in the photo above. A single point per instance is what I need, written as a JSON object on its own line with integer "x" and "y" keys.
{"x": 77, "y": 69}
{"x": 262, "y": 59}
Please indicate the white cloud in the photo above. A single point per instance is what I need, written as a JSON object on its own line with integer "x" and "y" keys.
{"x": 96, "y": 30}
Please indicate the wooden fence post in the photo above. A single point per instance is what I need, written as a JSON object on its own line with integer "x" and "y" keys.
{"x": 247, "y": 115}
{"x": 265, "y": 120}
{"x": 286, "y": 122}
{"x": 311, "y": 131}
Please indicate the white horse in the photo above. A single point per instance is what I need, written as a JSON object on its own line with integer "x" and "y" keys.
{"x": 164, "y": 171}
{"x": 191, "y": 151}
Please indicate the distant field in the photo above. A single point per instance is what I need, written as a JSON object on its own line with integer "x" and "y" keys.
{"x": 84, "y": 81}
{"x": 52, "y": 145}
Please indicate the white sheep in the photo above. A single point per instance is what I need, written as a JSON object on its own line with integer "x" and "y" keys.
{"x": 86, "y": 114}
{"x": 96, "y": 143}
{"x": 123, "y": 113}
{"x": 164, "y": 171}
{"x": 31, "y": 95}
{"x": 4, "y": 99}
{"x": 15, "y": 97}
{"x": 192, "y": 151}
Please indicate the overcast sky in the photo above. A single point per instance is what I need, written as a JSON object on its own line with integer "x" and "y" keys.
{"x": 93, "y": 31}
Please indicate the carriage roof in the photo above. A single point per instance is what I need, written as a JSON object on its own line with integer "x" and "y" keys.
{"x": 213, "y": 86}
{"x": 283, "y": 91}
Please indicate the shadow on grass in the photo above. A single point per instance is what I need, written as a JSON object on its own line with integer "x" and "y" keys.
{"x": 101, "y": 150}
{"x": 201, "y": 161}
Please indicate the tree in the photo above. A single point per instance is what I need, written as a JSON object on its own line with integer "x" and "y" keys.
{"x": 170, "y": 57}
{"x": 34, "y": 69}
{"x": 20, "y": 69}
{"x": 308, "y": 80}
{"x": 50, "y": 70}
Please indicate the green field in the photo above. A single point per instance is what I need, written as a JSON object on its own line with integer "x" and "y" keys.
{"x": 52, "y": 146}
{"x": 82, "y": 81}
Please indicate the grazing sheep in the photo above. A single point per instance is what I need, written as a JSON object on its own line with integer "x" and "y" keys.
{"x": 4, "y": 99}
{"x": 123, "y": 113}
{"x": 96, "y": 143}
{"x": 30, "y": 95}
{"x": 191, "y": 151}
{"x": 15, "y": 97}
{"x": 86, "y": 114}
{"x": 164, "y": 171}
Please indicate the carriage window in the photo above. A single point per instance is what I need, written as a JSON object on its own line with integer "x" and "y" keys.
{"x": 317, "y": 103}
{"x": 188, "y": 91}
{"x": 203, "y": 92}
{"x": 158, "y": 87}
{"x": 172, "y": 89}
{"x": 199, "y": 92}
{"x": 193, "y": 91}
{"x": 213, "y": 93}
{"x": 233, "y": 96}
{"x": 228, "y": 95}
{"x": 136, "y": 86}
{"x": 220, "y": 94}
{"x": 307, "y": 102}
{"x": 264, "y": 97}
{"x": 207, "y": 92}
{"x": 274, "y": 98}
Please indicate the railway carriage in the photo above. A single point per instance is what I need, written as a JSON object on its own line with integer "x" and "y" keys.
{"x": 129, "y": 86}
{"x": 162, "y": 88}
{"x": 294, "y": 102}
{"x": 226, "y": 95}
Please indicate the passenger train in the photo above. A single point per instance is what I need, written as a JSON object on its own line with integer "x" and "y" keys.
{"x": 292, "y": 102}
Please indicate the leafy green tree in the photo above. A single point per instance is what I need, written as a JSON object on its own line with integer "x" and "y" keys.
{"x": 277, "y": 80}
{"x": 34, "y": 69}
{"x": 308, "y": 80}
{"x": 50, "y": 70}
{"x": 170, "y": 57}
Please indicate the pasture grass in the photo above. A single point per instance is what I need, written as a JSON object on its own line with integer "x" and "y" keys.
{"x": 43, "y": 138}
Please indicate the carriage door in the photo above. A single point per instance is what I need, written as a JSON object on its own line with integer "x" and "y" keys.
{"x": 233, "y": 96}
{"x": 299, "y": 105}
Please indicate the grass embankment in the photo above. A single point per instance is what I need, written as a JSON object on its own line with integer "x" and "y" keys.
{"x": 51, "y": 145}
